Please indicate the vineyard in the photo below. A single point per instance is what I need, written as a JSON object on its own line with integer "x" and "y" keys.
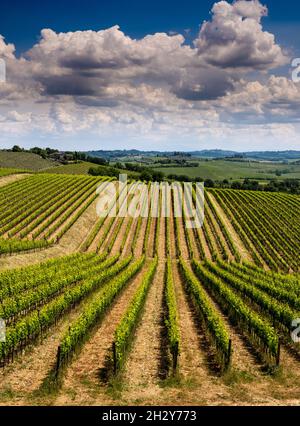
{"x": 147, "y": 310}
{"x": 37, "y": 211}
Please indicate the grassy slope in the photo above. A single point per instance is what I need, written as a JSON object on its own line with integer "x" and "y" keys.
{"x": 23, "y": 160}
{"x": 71, "y": 169}
{"x": 219, "y": 170}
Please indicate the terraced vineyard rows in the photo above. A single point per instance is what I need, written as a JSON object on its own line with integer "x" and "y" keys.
{"x": 37, "y": 211}
{"x": 204, "y": 308}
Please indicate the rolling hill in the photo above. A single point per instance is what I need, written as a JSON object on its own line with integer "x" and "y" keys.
{"x": 23, "y": 160}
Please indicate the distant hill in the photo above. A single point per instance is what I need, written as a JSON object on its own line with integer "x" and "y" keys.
{"x": 215, "y": 153}
{"x": 23, "y": 160}
{"x": 273, "y": 155}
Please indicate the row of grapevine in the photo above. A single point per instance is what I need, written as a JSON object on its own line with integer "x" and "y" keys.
{"x": 8, "y": 247}
{"x": 118, "y": 222}
{"x": 96, "y": 229}
{"x": 134, "y": 223}
{"x": 221, "y": 249}
{"x": 282, "y": 208}
{"x": 259, "y": 235}
{"x": 289, "y": 282}
{"x": 187, "y": 231}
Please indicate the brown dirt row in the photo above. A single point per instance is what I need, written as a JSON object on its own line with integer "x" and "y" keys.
{"x": 182, "y": 240}
{"x": 117, "y": 244}
{"x": 172, "y": 236}
{"x": 113, "y": 231}
{"x": 128, "y": 244}
{"x": 150, "y": 242}
{"x": 138, "y": 251}
{"x": 94, "y": 245}
{"x": 162, "y": 239}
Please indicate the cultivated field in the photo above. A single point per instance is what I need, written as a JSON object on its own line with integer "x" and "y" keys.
{"x": 235, "y": 170}
{"x": 143, "y": 310}
{"x": 37, "y": 211}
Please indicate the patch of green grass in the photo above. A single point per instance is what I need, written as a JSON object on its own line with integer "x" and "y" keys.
{"x": 233, "y": 377}
{"x": 179, "y": 382}
{"x": 115, "y": 387}
{"x": 7, "y": 394}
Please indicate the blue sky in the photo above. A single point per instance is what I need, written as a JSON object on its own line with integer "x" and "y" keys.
{"x": 21, "y": 21}
{"x": 119, "y": 84}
